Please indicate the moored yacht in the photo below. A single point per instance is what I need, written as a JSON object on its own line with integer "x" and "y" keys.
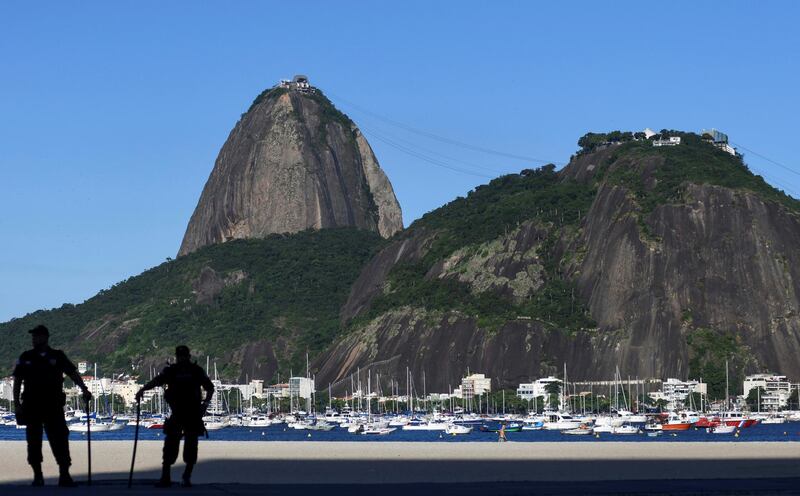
{"x": 556, "y": 421}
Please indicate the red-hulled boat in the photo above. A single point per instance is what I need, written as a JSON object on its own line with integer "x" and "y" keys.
{"x": 736, "y": 419}
{"x": 707, "y": 422}
{"x": 675, "y": 423}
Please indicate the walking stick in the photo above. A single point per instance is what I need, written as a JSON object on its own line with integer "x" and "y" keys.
{"x": 135, "y": 442}
{"x": 89, "y": 442}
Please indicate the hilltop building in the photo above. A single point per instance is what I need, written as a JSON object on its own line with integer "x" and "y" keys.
{"x": 671, "y": 141}
{"x": 298, "y": 83}
{"x": 718, "y": 139}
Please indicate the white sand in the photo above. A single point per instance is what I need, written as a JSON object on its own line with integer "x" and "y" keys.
{"x": 370, "y": 462}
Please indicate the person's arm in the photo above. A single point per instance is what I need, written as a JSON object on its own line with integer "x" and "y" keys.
{"x": 78, "y": 380}
{"x": 209, "y": 388}
{"x": 71, "y": 371}
{"x": 19, "y": 375}
{"x": 17, "y": 389}
{"x": 157, "y": 381}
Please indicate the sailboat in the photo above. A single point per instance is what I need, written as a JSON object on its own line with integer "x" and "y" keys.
{"x": 91, "y": 418}
{"x": 733, "y": 418}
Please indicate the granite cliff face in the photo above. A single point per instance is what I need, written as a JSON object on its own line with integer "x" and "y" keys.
{"x": 291, "y": 163}
{"x": 678, "y": 259}
{"x": 664, "y": 262}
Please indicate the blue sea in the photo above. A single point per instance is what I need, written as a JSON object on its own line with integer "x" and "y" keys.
{"x": 770, "y": 432}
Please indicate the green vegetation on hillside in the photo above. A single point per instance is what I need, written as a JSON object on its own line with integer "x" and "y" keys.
{"x": 269, "y": 92}
{"x": 589, "y": 142}
{"x": 329, "y": 111}
{"x": 489, "y": 212}
{"x": 557, "y": 206}
{"x": 708, "y": 352}
{"x": 499, "y": 207}
{"x": 692, "y": 162}
{"x": 280, "y": 287}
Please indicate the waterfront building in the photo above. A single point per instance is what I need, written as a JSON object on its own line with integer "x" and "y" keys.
{"x": 776, "y": 389}
{"x": 280, "y": 390}
{"x": 103, "y": 386}
{"x": 301, "y": 387}
{"x": 473, "y": 385}
{"x": 7, "y": 389}
{"x": 675, "y": 392}
{"x": 537, "y": 388}
{"x": 254, "y": 388}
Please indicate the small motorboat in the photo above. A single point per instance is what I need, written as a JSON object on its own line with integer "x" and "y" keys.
{"x": 95, "y": 426}
{"x": 320, "y": 426}
{"x": 513, "y": 427}
{"x": 721, "y": 429}
{"x": 377, "y": 430}
{"x": 455, "y": 429}
{"x": 626, "y": 429}
{"x": 215, "y": 425}
{"x": 583, "y": 430}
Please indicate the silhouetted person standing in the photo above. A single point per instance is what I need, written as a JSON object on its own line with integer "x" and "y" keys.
{"x": 41, "y": 372}
{"x": 183, "y": 381}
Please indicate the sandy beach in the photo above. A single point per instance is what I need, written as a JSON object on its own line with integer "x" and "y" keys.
{"x": 400, "y": 463}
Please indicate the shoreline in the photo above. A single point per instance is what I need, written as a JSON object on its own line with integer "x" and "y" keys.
{"x": 315, "y": 462}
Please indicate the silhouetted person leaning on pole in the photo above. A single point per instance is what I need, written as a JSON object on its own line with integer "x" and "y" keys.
{"x": 183, "y": 381}
{"x": 41, "y": 370}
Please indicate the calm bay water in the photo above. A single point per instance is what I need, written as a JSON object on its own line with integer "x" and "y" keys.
{"x": 774, "y": 432}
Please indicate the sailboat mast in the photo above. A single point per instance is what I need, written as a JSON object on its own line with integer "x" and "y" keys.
{"x": 564, "y": 385}
{"x": 424, "y": 393}
{"x": 727, "y": 406}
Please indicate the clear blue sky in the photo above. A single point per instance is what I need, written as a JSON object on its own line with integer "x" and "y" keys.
{"x": 112, "y": 113}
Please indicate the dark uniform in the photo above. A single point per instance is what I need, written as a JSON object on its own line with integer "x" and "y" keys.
{"x": 183, "y": 381}
{"x": 43, "y": 398}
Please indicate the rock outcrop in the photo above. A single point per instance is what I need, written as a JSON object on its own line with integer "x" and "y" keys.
{"x": 291, "y": 163}
{"x": 662, "y": 262}
{"x": 652, "y": 272}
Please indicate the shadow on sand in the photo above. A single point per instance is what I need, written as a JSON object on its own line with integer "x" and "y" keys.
{"x": 467, "y": 477}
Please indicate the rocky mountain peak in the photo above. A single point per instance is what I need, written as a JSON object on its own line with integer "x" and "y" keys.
{"x": 292, "y": 162}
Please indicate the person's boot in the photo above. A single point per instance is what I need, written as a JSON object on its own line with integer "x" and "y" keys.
{"x": 64, "y": 479}
{"x": 165, "y": 480}
{"x": 38, "y": 477}
{"x": 186, "y": 478}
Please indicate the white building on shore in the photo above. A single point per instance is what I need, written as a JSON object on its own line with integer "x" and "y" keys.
{"x": 537, "y": 388}
{"x": 7, "y": 389}
{"x": 473, "y": 385}
{"x": 301, "y": 387}
{"x": 777, "y": 389}
{"x": 675, "y": 392}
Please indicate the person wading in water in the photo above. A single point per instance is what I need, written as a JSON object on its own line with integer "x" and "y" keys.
{"x": 41, "y": 405}
{"x": 183, "y": 381}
